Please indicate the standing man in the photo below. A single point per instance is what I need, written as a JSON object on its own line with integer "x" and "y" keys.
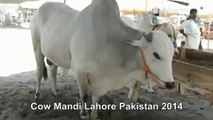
{"x": 155, "y": 13}
{"x": 190, "y": 29}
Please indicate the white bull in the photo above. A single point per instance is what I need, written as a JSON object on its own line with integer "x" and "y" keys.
{"x": 105, "y": 53}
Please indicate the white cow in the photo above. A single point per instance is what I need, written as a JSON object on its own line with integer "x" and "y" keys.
{"x": 105, "y": 53}
{"x": 51, "y": 26}
{"x": 2, "y": 19}
{"x": 144, "y": 23}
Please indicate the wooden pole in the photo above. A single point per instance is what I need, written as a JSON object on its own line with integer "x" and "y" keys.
{"x": 182, "y": 51}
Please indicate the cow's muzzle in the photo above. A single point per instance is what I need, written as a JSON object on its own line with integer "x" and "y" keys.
{"x": 170, "y": 85}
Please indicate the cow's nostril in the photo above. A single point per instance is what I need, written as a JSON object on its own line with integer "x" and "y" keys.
{"x": 170, "y": 85}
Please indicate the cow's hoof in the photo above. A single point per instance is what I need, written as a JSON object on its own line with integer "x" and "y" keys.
{"x": 84, "y": 115}
{"x": 63, "y": 78}
{"x": 150, "y": 91}
{"x": 37, "y": 96}
{"x": 95, "y": 119}
{"x": 94, "y": 115}
{"x": 56, "y": 93}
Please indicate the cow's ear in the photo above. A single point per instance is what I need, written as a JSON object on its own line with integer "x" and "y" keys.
{"x": 138, "y": 43}
{"x": 142, "y": 43}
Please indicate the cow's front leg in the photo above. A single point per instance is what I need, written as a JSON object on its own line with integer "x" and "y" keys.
{"x": 149, "y": 87}
{"x": 94, "y": 113}
{"x": 134, "y": 91}
{"x": 55, "y": 91}
{"x": 85, "y": 98}
{"x": 81, "y": 78}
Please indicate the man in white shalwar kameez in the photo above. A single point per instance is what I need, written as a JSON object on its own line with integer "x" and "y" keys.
{"x": 190, "y": 29}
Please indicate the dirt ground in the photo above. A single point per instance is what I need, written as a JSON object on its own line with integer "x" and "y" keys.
{"x": 17, "y": 91}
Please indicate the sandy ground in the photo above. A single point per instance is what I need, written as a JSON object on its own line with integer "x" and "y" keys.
{"x": 16, "y": 97}
{"x": 18, "y": 81}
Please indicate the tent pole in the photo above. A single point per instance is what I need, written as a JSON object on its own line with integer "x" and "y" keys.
{"x": 146, "y": 6}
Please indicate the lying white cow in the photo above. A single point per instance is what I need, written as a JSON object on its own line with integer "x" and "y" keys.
{"x": 105, "y": 53}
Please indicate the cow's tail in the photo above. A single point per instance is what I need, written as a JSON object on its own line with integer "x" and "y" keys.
{"x": 45, "y": 73}
{"x": 40, "y": 58}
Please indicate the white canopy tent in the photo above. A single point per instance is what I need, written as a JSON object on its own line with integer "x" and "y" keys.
{"x": 203, "y": 6}
{"x": 31, "y": 4}
{"x": 144, "y": 5}
{"x": 147, "y": 5}
{"x": 36, "y": 4}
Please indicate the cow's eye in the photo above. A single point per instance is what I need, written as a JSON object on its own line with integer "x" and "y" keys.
{"x": 156, "y": 55}
{"x": 170, "y": 36}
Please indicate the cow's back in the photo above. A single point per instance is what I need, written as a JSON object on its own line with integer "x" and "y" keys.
{"x": 51, "y": 26}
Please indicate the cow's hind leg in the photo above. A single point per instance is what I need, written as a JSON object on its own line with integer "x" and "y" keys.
{"x": 55, "y": 91}
{"x": 64, "y": 73}
{"x": 41, "y": 70}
